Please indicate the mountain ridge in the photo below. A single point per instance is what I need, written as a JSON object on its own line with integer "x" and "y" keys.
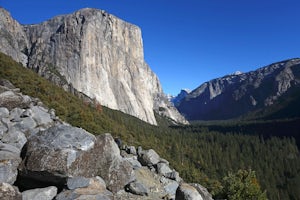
{"x": 233, "y": 96}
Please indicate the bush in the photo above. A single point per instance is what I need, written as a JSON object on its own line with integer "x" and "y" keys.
{"x": 242, "y": 185}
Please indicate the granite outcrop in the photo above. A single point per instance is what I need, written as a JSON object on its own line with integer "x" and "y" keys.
{"x": 94, "y": 53}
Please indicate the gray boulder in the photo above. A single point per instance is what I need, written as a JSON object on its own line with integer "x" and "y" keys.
{"x": 134, "y": 162}
{"x": 174, "y": 175}
{"x": 149, "y": 157}
{"x": 137, "y": 188}
{"x": 41, "y": 116}
{"x": 163, "y": 168}
{"x": 15, "y": 138}
{"x": 59, "y": 152}
{"x": 170, "y": 188}
{"x": 77, "y": 182}
{"x": 27, "y": 125}
{"x": 202, "y": 191}
{"x": 9, "y": 192}
{"x": 81, "y": 182}
{"x": 115, "y": 170}
{"x": 9, "y": 162}
{"x": 187, "y": 192}
{"x": 47, "y": 193}
{"x": 10, "y": 100}
{"x": 4, "y": 112}
{"x": 95, "y": 190}
{"x": 63, "y": 151}
{"x": 7, "y": 84}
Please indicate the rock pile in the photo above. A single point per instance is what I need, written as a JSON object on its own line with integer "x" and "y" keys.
{"x": 42, "y": 157}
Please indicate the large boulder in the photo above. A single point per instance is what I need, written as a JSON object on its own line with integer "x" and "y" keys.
{"x": 202, "y": 191}
{"x": 9, "y": 192}
{"x": 10, "y": 100}
{"x": 137, "y": 188}
{"x": 57, "y": 153}
{"x": 115, "y": 170}
{"x": 47, "y": 193}
{"x": 63, "y": 151}
{"x": 187, "y": 192}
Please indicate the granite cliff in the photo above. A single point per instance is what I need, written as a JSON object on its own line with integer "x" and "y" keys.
{"x": 93, "y": 53}
{"x": 237, "y": 94}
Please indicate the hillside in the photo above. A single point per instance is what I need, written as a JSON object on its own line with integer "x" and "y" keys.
{"x": 201, "y": 156}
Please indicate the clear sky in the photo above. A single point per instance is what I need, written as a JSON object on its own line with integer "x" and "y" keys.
{"x": 188, "y": 42}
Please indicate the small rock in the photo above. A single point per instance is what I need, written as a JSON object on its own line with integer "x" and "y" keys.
{"x": 134, "y": 162}
{"x": 3, "y": 130}
{"x": 164, "y": 161}
{"x": 77, "y": 182}
{"x": 26, "y": 113}
{"x": 4, "y": 112}
{"x": 139, "y": 151}
{"x": 118, "y": 141}
{"x": 9, "y": 192}
{"x": 82, "y": 182}
{"x": 173, "y": 175}
{"x": 15, "y": 114}
{"x": 171, "y": 188}
{"x": 52, "y": 114}
{"x": 47, "y": 193}
{"x": 124, "y": 154}
{"x": 163, "y": 168}
{"x": 149, "y": 158}
{"x": 15, "y": 138}
{"x": 26, "y": 125}
{"x": 41, "y": 116}
{"x": 137, "y": 188}
{"x": 131, "y": 150}
{"x": 7, "y": 84}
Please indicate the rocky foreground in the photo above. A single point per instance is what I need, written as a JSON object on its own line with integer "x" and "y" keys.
{"x": 42, "y": 157}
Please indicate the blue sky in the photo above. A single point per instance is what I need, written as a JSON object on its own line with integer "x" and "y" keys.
{"x": 188, "y": 42}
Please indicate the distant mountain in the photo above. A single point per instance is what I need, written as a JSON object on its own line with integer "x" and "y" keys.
{"x": 94, "y": 53}
{"x": 176, "y": 99}
{"x": 268, "y": 92}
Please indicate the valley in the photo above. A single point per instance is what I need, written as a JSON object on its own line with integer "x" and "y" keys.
{"x": 200, "y": 153}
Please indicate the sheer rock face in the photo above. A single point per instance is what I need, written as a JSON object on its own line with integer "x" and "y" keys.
{"x": 234, "y": 95}
{"x": 95, "y": 53}
{"x": 13, "y": 40}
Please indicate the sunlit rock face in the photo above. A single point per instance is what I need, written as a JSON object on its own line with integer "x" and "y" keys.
{"x": 98, "y": 55}
{"x": 13, "y": 40}
{"x": 237, "y": 94}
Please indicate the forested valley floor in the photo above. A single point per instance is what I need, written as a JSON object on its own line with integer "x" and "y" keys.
{"x": 216, "y": 155}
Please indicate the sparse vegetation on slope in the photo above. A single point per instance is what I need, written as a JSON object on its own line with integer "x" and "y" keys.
{"x": 198, "y": 154}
